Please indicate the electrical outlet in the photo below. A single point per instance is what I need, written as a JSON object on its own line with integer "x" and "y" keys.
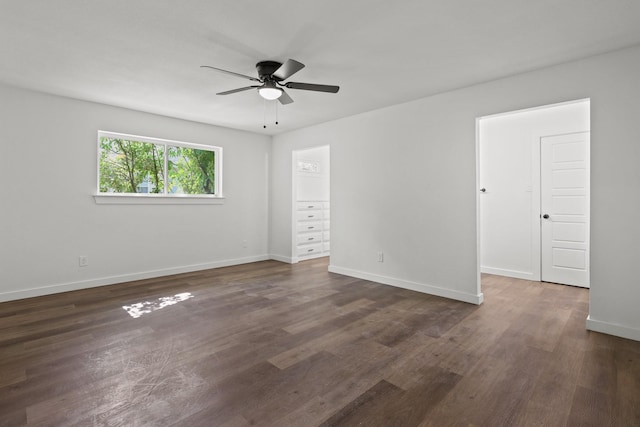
{"x": 380, "y": 256}
{"x": 83, "y": 261}
{"x": 244, "y": 243}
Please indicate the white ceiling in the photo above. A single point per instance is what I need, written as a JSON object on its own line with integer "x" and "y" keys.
{"x": 146, "y": 54}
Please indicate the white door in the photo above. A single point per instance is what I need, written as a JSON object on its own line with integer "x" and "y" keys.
{"x": 564, "y": 201}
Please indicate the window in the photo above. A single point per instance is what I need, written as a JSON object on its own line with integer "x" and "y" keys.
{"x": 149, "y": 167}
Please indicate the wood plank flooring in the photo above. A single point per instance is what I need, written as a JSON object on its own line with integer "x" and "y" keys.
{"x": 272, "y": 344}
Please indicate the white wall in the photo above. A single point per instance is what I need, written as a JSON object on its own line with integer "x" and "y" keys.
{"x": 48, "y": 216}
{"x": 510, "y": 207}
{"x": 403, "y": 180}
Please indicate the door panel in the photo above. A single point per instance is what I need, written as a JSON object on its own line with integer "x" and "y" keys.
{"x": 569, "y": 231}
{"x": 564, "y": 188}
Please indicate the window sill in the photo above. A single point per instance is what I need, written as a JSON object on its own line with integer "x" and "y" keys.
{"x": 148, "y": 199}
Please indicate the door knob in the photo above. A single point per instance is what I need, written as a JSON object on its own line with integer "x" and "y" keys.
{"x": 545, "y": 216}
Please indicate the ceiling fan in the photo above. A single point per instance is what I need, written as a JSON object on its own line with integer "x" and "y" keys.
{"x": 271, "y": 75}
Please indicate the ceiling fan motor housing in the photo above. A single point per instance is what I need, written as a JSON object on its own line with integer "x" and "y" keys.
{"x": 266, "y": 69}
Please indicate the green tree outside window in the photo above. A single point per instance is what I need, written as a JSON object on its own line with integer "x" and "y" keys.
{"x": 191, "y": 171}
{"x": 130, "y": 166}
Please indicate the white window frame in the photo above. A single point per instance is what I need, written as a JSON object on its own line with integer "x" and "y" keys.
{"x": 164, "y": 198}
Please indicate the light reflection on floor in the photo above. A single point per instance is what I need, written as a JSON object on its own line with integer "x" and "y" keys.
{"x": 138, "y": 309}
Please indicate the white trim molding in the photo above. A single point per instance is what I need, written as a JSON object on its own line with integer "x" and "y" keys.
{"x": 509, "y": 273}
{"x": 413, "y": 286}
{"x": 153, "y": 199}
{"x": 613, "y": 329}
{"x": 283, "y": 258}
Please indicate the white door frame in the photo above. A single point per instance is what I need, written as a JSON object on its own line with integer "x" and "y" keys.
{"x": 536, "y": 191}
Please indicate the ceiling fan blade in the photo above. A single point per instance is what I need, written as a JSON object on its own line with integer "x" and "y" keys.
{"x": 314, "y": 87}
{"x": 288, "y": 69}
{"x": 229, "y": 92}
{"x": 231, "y": 72}
{"x": 285, "y": 98}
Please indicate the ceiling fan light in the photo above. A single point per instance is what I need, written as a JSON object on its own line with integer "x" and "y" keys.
{"x": 270, "y": 93}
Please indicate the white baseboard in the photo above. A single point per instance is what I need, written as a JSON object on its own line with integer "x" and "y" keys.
{"x": 295, "y": 260}
{"x": 414, "y": 286}
{"x": 613, "y": 329}
{"x": 283, "y": 258}
{"x": 102, "y": 281}
{"x": 508, "y": 273}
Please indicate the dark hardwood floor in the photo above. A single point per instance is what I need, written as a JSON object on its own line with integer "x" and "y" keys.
{"x": 272, "y": 344}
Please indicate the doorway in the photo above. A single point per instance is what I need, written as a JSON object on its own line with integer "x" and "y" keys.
{"x": 530, "y": 161}
{"x": 311, "y": 204}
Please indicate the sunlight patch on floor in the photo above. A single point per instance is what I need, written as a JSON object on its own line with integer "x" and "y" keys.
{"x": 140, "y": 308}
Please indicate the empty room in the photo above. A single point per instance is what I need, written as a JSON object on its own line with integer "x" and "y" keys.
{"x": 285, "y": 213}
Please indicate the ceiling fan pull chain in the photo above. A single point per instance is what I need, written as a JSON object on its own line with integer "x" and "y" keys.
{"x": 276, "y": 113}
{"x": 264, "y": 113}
